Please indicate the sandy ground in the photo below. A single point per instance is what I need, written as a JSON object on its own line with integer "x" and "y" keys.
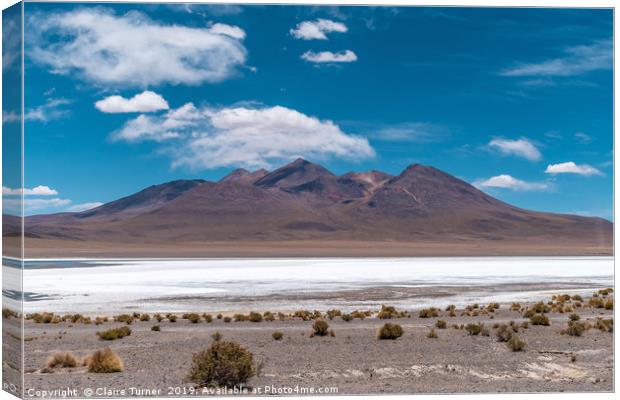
{"x": 48, "y": 248}
{"x": 352, "y": 362}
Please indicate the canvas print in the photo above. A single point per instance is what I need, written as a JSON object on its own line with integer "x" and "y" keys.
{"x": 229, "y": 199}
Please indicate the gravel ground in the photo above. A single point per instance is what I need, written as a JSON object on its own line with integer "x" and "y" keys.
{"x": 352, "y": 362}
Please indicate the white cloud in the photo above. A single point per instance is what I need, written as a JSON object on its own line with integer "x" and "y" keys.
{"x": 243, "y": 136}
{"x": 229, "y": 30}
{"x": 84, "y": 206}
{"x": 308, "y": 30}
{"x": 577, "y": 60}
{"x": 35, "y": 191}
{"x": 146, "y": 101}
{"x": 329, "y": 57}
{"x": 508, "y": 182}
{"x": 572, "y": 168}
{"x": 131, "y": 49}
{"x": 520, "y": 147}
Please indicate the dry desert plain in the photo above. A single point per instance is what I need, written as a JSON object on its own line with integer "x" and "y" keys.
{"x": 353, "y": 361}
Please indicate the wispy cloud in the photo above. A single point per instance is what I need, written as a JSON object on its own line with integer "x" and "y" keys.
{"x": 346, "y": 56}
{"x": 421, "y": 132}
{"x": 317, "y": 30}
{"x": 583, "y": 138}
{"x": 146, "y": 101}
{"x": 242, "y": 135}
{"x": 571, "y": 167}
{"x": 520, "y": 147}
{"x": 505, "y": 181}
{"x": 132, "y": 49}
{"x": 577, "y": 60}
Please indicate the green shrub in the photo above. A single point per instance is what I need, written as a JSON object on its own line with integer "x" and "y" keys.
{"x": 540, "y": 319}
{"x": 441, "y": 324}
{"x": 126, "y": 318}
{"x": 114, "y": 333}
{"x": 516, "y": 343}
{"x": 222, "y": 364}
{"x": 255, "y": 317}
{"x": 320, "y": 327}
{"x": 474, "y": 329}
{"x": 192, "y": 317}
{"x": 390, "y": 332}
{"x": 277, "y": 335}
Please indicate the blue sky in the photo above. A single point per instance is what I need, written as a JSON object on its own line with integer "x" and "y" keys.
{"x": 515, "y": 101}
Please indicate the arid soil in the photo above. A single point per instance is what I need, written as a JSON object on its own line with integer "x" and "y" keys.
{"x": 51, "y": 248}
{"x": 352, "y": 362}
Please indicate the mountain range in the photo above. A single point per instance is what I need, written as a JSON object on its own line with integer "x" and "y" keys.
{"x": 304, "y": 209}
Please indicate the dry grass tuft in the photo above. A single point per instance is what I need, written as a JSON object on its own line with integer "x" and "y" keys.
{"x": 105, "y": 361}
{"x": 62, "y": 359}
{"x": 390, "y": 332}
{"x": 223, "y": 364}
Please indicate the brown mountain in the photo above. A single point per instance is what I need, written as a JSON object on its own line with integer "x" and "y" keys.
{"x": 304, "y": 209}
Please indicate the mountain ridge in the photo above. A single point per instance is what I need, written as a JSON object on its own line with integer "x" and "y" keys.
{"x": 303, "y": 201}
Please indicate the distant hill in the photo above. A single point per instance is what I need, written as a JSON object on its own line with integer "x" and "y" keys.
{"x": 303, "y": 203}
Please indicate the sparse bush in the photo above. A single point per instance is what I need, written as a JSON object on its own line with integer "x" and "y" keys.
{"x": 504, "y": 333}
{"x": 609, "y": 304}
{"x": 8, "y": 313}
{"x": 331, "y": 314}
{"x": 515, "y": 307}
{"x": 574, "y": 317}
{"x": 208, "y": 317}
{"x": 158, "y": 317}
{"x": 277, "y": 335}
{"x": 390, "y": 331}
{"x": 155, "y": 328}
{"x": 269, "y": 317}
{"x": 516, "y": 343}
{"x": 192, "y": 317}
{"x": 387, "y": 312}
{"x": 105, "y": 361}
{"x": 62, "y": 359}
{"x": 575, "y": 328}
{"x": 597, "y": 302}
{"x": 227, "y": 319}
{"x": 577, "y": 298}
{"x": 217, "y": 336}
{"x": 145, "y": 317}
{"x": 347, "y": 317}
{"x": 525, "y": 325}
{"x": 222, "y": 364}
{"x": 255, "y": 317}
{"x": 114, "y": 333}
{"x": 428, "y": 313}
{"x": 540, "y": 308}
{"x": 605, "y": 325}
{"x": 219, "y": 316}
{"x": 539, "y": 319}
{"x": 126, "y": 318}
{"x": 474, "y": 329}
{"x": 172, "y": 317}
{"x": 320, "y": 327}
{"x": 441, "y": 324}
{"x": 432, "y": 334}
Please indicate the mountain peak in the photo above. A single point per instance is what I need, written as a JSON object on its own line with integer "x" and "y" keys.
{"x": 234, "y": 175}
{"x": 241, "y": 175}
{"x": 295, "y": 173}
